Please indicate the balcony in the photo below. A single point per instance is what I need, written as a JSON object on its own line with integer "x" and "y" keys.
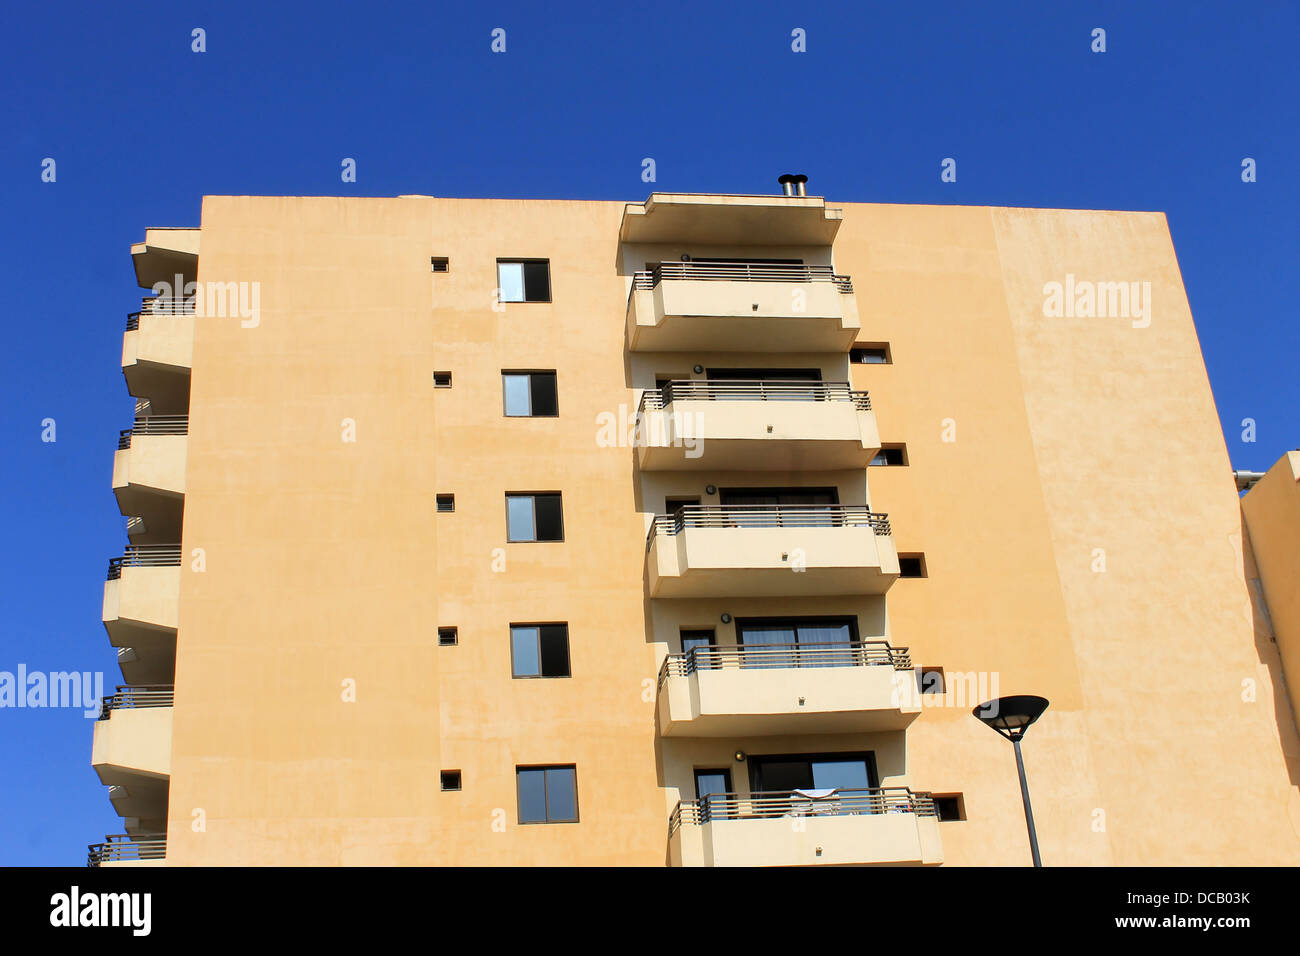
{"x": 756, "y": 425}
{"x": 751, "y": 690}
{"x": 770, "y": 551}
{"x": 157, "y": 350}
{"x": 724, "y": 306}
{"x": 141, "y": 598}
{"x": 149, "y": 474}
{"x": 132, "y": 752}
{"x": 888, "y": 825}
{"x": 124, "y": 849}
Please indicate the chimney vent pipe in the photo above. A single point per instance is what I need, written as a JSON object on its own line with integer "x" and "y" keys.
{"x": 792, "y": 184}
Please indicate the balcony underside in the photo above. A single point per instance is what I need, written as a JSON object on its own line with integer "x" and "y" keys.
{"x": 149, "y": 482}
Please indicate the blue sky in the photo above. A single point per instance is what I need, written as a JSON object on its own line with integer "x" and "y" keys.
{"x": 141, "y": 127}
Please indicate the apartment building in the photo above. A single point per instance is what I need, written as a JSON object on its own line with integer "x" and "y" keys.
{"x": 680, "y": 532}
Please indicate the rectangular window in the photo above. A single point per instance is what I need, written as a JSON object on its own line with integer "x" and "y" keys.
{"x": 890, "y": 455}
{"x": 450, "y": 779}
{"x": 442, "y": 379}
{"x": 448, "y": 637}
{"x": 530, "y": 394}
{"x": 776, "y": 642}
{"x": 929, "y": 680}
{"x": 911, "y": 565}
{"x": 446, "y": 502}
{"x": 534, "y": 517}
{"x": 950, "y": 806}
{"x": 539, "y": 650}
{"x": 547, "y": 794}
{"x": 789, "y": 773}
{"x": 870, "y": 355}
{"x": 524, "y": 280}
{"x": 438, "y": 263}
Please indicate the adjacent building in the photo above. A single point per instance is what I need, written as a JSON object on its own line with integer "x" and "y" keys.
{"x": 685, "y": 532}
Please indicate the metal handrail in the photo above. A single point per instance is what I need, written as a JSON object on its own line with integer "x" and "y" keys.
{"x": 771, "y": 656}
{"x": 752, "y": 390}
{"x": 166, "y": 305}
{"x": 145, "y": 556}
{"x": 153, "y": 425}
{"x": 137, "y": 696}
{"x": 840, "y": 803}
{"x": 123, "y": 846}
{"x": 740, "y": 272}
{"x": 768, "y": 516}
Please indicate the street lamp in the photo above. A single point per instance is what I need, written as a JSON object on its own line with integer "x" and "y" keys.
{"x": 1011, "y": 717}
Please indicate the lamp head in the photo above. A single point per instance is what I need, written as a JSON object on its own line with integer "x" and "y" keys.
{"x": 1011, "y": 716}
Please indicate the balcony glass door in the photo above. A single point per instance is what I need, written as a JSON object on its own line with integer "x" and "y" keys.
{"x": 829, "y": 642}
{"x": 711, "y": 787}
{"x": 770, "y": 501}
{"x": 808, "y": 779}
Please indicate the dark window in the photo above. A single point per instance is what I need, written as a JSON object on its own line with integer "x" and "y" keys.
{"x": 448, "y": 637}
{"x": 831, "y": 640}
{"x": 524, "y": 280}
{"x": 534, "y": 517}
{"x": 539, "y": 650}
{"x": 780, "y": 496}
{"x": 674, "y": 505}
{"x": 438, "y": 263}
{"x": 547, "y": 794}
{"x": 787, "y": 773}
{"x": 751, "y": 374}
{"x": 530, "y": 394}
{"x": 711, "y": 787}
{"x": 929, "y": 680}
{"x": 442, "y": 379}
{"x": 911, "y": 565}
{"x": 951, "y": 806}
{"x": 446, "y": 502}
{"x": 891, "y": 455}
{"x": 451, "y": 779}
{"x": 870, "y": 355}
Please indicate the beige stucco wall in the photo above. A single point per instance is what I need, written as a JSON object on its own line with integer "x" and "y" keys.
{"x": 326, "y": 563}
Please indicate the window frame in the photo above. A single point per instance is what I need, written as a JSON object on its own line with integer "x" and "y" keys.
{"x": 533, "y": 495}
{"x": 538, "y": 625}
{"x": 530, "y": 372}
{"x": 546, "y": 790}
{"x": 521, "y": 261}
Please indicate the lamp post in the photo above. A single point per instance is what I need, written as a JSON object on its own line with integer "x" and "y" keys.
{"x": 1011, "y": 717}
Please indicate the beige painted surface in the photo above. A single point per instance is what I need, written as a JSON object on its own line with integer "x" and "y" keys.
{"x": 1036, "y": 446}
{"x": 875, "y": 838}
{"x": 758, "y": 436}
{"x": 753, "y": 562}
{"x": 142, "y": 601}
{"x": 1272, "y": 513}
{"x": 131, "y": 742}
{"x": 753, "y": 701}
{"x": 695, "y": 314}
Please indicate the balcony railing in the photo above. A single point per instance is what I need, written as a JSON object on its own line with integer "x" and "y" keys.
{"x": 137, "y": 696}
{"x": 768, "y": 516}
{"x": 121, "y": 847}
{"x": 145, "y": 556}
{"x": 839, "y": 803}
{"x": 153, "y": 425}
{"x": 769, "y": 656}
{"x": 132, "y": 321}
{"x": 752, "y": 390}
{"x": 740, "y": 272}
{"x": 165, "y": 305}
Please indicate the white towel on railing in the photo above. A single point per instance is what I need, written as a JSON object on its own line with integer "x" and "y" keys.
{"x": 815, "y": 794}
